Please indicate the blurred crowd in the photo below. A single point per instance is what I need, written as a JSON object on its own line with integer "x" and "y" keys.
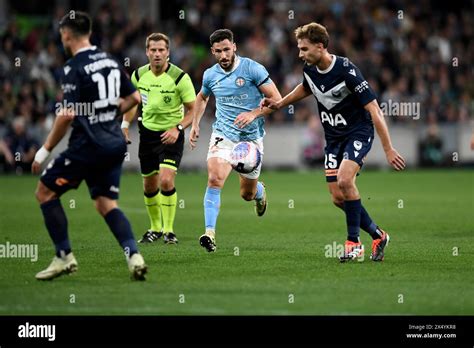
{"x": 416, "y": 52}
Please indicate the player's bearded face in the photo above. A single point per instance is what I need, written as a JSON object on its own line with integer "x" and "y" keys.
{"x": 224, "y": 52}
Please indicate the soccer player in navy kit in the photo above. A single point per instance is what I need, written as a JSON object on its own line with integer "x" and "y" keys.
{"x": 348, "y": 110}
{"x": 93, "y": 84}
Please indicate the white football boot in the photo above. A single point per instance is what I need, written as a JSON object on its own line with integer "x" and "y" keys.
{"x": 137, "y": 267}
{"x": 59, "y": 266}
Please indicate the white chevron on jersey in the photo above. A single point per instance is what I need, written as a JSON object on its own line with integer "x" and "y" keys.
{"x": 332, "y": 96}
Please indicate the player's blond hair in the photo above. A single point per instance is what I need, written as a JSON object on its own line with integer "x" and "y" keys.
{"x": 314, "y": 32}
{"x": 157, "y": 37}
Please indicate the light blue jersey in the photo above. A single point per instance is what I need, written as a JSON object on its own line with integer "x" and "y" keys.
{"x": 236, "y": 91}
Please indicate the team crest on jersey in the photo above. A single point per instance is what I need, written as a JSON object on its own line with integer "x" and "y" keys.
{"x": 357, "y": 145}
{"x": 240, "y": 82}
{"x": 167, "y": 99}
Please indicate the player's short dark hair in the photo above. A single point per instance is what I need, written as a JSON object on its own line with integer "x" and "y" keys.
{"x": 80, "y": 23}
{"x": 314, "y": 32}
{"x": 157, "y": 37}
{"x": 221, "y": 35}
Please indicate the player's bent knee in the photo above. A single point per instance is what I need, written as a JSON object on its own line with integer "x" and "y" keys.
{"x": 44, "y": 194}
{"x": 215, "y": 181}
{"x": 150, "y": 186}
{"x": 104, "y": 205}
{"x": 166, "y": 184}
{"x": 337, "y": 198}
{"x": 345, "y": 183}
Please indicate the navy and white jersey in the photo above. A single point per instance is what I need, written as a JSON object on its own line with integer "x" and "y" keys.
{"x": 92, "y": 83}
{"x": 341, "y": 92}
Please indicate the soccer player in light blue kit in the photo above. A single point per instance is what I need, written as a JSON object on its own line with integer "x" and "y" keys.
{"x": 238, "y": 85}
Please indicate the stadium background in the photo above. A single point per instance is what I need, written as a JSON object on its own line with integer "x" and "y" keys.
{"x": 410, "y": 52}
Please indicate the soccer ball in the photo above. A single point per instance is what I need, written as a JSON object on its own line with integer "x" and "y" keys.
{"x": 245, "y": 157}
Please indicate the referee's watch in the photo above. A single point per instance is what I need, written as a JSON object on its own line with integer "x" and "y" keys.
{"x": 180, "y": 127}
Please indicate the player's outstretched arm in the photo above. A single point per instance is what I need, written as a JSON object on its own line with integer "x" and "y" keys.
{"x": 129, "y": 107}
{"x": 298, "y": 93}
{"x": 61, "y": 124}
{"x": 270, "y": 91}
{"x": 199, "y": 108}
{"x": 393, "y": 157}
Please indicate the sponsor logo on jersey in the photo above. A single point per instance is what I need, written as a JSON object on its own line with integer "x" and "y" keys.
{"x": 233, "y": 99}
{"x": 361, "y": 87}
{"x": 333, "y": 120}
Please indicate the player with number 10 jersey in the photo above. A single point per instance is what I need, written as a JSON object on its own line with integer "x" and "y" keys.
{"x": 95, "y": 91}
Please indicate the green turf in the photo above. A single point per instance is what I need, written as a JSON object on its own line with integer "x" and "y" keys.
{"x": 281, "y": 257}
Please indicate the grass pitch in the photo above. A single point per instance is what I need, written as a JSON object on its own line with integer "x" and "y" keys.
{"x": 275, "y": 265}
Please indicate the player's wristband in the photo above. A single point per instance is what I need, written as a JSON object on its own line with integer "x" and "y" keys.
{"x": 125, "y": 124}
{"x": 42, "y": 155}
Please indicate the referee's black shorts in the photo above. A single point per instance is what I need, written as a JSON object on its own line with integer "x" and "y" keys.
{"x": 154, "y": 154}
